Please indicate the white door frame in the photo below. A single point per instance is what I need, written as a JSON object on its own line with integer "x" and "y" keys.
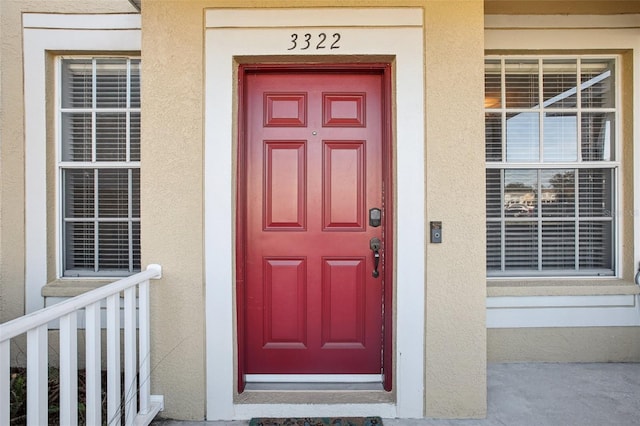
{"x": 391, "y": 32}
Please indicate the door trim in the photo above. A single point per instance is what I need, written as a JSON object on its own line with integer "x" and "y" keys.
{"x": 385, "y": 70}
{"x": 395, "y": 34}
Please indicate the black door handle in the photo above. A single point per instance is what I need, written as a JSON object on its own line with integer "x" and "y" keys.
{"x": 374, "y": 245}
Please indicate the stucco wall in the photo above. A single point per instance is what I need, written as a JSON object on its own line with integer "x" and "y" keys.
{"x": 455, "y": 287}
{"x": 586, "y": 344}
{"x": 172, "y": 196}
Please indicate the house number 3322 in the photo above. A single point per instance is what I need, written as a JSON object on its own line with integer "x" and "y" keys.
{"x": 317, "y": 42}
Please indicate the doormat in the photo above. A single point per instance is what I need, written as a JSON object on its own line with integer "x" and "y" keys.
{"x": 316, "y": 421}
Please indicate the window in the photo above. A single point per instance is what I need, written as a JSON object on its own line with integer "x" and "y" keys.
{"x": 552, "y": 166}
{"x": 99, "y": 166}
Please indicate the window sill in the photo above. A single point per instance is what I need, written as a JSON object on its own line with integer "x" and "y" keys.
{"x": 72, "y": 287}
{"x": 560, "y": 287}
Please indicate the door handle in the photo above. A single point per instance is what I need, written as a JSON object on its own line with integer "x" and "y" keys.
{"x": 374, "y": 245}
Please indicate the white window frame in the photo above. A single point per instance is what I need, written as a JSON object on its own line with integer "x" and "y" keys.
{"x": 614, "y": 165}
{"x": 43, "y": 33}
{"x": 573, "y": 305}
{"x": 95, "y": 165}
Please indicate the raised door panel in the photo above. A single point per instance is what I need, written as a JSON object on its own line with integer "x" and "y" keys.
{"x": 344, "y": 109}
{"x": 285, "y": 109}
{"x": 343, "y": 299}
{"x": 285, "y": 185}
{"x": 343, "y": 185}
{"x": 285, "y": 302}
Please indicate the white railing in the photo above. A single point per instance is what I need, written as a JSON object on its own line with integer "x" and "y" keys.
{"x": 136, "y": 340}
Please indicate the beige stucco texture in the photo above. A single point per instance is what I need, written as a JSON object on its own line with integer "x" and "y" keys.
{"x": 583, "y": 344}
{"x": 172, "y": 200}
{"x": 455, "y": 383}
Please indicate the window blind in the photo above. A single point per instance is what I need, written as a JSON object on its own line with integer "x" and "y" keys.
{"x": 551, "y": 167}
{"x": 99, "y": 166}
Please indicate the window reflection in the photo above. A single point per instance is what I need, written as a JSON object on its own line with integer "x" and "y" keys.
{"x": 523, "y": 137}
{"x": 558, "y": 197}
{"x": 595, "y": 192}
{"x": 560, "y": 141}
{"x": 520, "y": 193}
{"x": 556, "y": 189}
{"x": 597, "y": 136}
{"x": 559, "y": 87}
{"x": 597, "y": 83}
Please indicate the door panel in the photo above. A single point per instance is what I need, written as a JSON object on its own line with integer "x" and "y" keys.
{"x": 285, "y": 284}
{"x": 313, "y": 168}
{"x": 343, "y": 309}
{"x": 285, "y": 184}
{"x": 343, "y": 187}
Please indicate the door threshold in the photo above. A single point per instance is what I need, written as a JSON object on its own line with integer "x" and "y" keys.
{"x": 314, "y": 382}
{"x": 301, "y": 386}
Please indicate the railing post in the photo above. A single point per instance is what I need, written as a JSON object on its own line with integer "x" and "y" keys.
{"x": 37, "y": 376}
{"x": 69, "y": 369}
{"x": 5, "y": 382}
{"x": 113, "y": 360}
{"x": 143, "y": 336}
{"x": 130, "y": 364}
{"x": 93, "y": 367}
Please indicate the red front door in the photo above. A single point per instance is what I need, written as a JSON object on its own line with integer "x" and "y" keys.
{"x": 312, "y": 159}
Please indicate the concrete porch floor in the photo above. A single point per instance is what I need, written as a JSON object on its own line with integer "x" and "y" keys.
{"x": 540, "y": 394}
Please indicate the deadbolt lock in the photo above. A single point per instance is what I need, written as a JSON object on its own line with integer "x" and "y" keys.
{"x": 375, "y": 217}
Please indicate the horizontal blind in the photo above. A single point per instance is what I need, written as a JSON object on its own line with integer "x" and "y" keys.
{"x": 551, "y": 167}
{"x": 99, "y": 166}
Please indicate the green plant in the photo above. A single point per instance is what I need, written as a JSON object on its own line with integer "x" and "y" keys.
{"x": 18, "y": 398}
{"x": 18, "y": 405}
